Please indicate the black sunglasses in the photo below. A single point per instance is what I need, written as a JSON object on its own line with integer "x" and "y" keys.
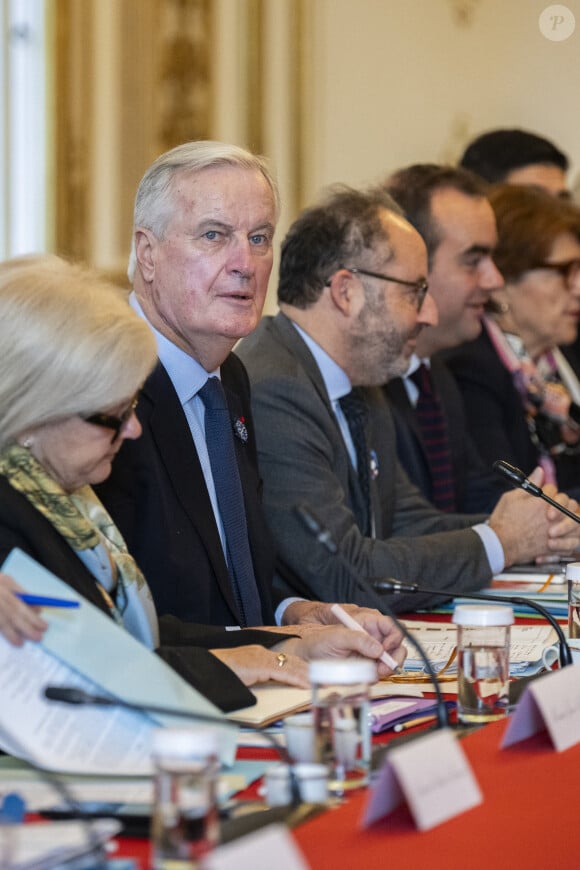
{"x": 568, "y": 269}
{"x": 109, "y": 421}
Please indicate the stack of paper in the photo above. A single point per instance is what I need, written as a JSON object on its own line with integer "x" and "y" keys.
{"x": 439, "y": 640}
{"x": 85, "y": 649}
{"x": 275, "y": 701}
{"x": 532, "y": 583}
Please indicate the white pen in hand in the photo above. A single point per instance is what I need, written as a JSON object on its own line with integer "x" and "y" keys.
{"x": 349, "y": 622}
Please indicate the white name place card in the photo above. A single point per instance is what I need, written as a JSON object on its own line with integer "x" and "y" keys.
{"x": 551, "y": 702}
{"x": 260, "y": 850}
{"x": 432, "y": 774}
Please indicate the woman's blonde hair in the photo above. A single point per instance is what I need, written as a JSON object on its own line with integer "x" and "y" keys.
{"x": 69, "y": 343}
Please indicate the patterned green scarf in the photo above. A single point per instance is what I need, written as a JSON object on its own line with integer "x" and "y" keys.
{"x": 80, "y": 518}
{"x": 25, "y": 474}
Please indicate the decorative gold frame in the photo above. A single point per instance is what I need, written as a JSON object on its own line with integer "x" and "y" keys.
{"x": 163, "y": 76}
{"x": 72, "y": 101}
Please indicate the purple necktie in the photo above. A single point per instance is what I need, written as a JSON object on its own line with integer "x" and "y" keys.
{"x": 435, "y": 435}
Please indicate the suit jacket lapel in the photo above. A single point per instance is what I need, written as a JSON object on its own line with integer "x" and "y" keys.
{"x": 440, "y": 377}
{"x": 374, "y": 396}
{"x": 410, "y": 444}
{"x": 396, "y": 391}
{"x": 174, "y": 444}
{"x": 293, "y": 341}
{"x": 50, "y": 548}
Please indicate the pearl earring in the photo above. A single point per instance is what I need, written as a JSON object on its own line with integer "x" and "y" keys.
{"x": 28, "y": 442}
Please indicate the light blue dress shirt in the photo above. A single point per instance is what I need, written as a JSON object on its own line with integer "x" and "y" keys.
{"x": 188, "y": 377}
{"x": 337, "y": 385}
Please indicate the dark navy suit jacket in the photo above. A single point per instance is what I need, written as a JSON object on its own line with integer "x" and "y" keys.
{"x": 476, "y": 487}
{"x": 158, "y": 498}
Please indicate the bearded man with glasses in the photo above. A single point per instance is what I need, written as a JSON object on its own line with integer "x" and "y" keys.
{"x": 354, "y": 301}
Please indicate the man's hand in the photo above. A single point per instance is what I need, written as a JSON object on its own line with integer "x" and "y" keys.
{"x": 381, "y": 628}
{"x": 564, "y": 533}
{"x": 329, "y": 641}
{"x": 373, "y": 621}
{"x": 529, "y": 529}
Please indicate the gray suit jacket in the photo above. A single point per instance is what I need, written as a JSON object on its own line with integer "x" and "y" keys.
{"x": 303, "y": 459}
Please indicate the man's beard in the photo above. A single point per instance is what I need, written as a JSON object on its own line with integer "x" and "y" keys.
{"x": 377, "y": 347}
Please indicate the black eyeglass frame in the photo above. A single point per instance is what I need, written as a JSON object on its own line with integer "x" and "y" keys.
{"x": 567, "y": 268}
{"x": 110, "y": 421}
{"x": 421, "y": 286}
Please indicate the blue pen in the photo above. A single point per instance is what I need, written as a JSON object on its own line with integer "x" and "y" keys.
{"x": 41, "y": 601}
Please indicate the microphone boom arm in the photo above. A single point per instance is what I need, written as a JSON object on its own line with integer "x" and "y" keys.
{"x": 565, "y": 654}
{"x": 72, "y": 695}
{"x": 518, "y": 479}
{"x": 324, "y": 537}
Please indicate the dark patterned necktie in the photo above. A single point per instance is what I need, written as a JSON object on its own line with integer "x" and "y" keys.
{"x": 356, "y": 412}
{"x": 433, "y": 428}
{"x": 226, "y": 477}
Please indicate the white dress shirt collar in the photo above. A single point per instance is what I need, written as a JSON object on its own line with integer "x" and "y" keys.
{"x": 185, "y": 373}
{"x": 335, "y": 379}
{"x": 408, "y": 383}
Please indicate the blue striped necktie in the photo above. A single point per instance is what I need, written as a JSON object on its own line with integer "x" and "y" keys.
{"x": 226, "y": 477}
{"x": 433, "y": 427}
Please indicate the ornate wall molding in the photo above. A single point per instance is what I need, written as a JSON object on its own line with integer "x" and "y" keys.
{"x": 73, "y": 131}
{"x": 184, "y": 82}
{"x": 156, "y": 76}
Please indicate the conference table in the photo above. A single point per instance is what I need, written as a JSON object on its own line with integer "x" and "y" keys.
{"x": 528, "y": 817}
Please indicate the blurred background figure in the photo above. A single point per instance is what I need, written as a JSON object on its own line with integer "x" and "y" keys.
{"x": 522, "y": 397}
{"x": 518, "y": 157}
{"x": 522, "y": 158}
{"x": 448, "y": 207}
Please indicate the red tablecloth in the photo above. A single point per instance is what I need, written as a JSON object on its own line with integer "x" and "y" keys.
{"x": 528, "y": 815}
{"x": 527, "y": 818}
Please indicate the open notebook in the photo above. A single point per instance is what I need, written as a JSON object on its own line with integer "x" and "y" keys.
{"x": 276, "y": 701}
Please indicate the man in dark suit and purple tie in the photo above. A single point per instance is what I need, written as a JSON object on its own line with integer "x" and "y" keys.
{"x": 448, "y": 207}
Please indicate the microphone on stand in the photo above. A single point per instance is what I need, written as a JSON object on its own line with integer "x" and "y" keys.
{"x": 390, "y": 586}
{"x": 323, "y": 535}
{"x": 71, "y": 695}
{"x": 518, "y": 479}
{"x": 313, "y": 525}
